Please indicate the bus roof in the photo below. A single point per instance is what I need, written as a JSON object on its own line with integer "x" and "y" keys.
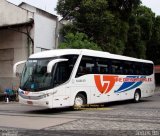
{"x": 60, "y": 52}
{"x": 55, "y": 53}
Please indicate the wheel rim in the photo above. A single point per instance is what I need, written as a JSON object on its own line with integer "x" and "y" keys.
{"x": 137, "y": 96}
{"x": 78, "y": 101}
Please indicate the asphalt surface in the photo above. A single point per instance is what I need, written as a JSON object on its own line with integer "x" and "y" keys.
{"x": 119, "y": 118}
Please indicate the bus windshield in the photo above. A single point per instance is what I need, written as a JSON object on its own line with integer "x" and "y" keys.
{"x": 35, "y": 77}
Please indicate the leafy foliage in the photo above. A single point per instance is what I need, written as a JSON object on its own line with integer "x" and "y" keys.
{"x": 153, "y": 46}
{"x": 140, "y": 31}
{"x": 78, "y": 41}
{"x": 118, "y": 26}
{"x": 123, "y": 8}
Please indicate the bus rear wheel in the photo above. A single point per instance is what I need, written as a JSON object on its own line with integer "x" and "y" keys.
{"x": 137, "y": 96}
{"x": 79, "y": 101}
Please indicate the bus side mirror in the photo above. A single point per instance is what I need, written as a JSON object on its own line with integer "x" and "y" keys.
{"x": 15, "y": 74}
{"x": 52, "y": 63}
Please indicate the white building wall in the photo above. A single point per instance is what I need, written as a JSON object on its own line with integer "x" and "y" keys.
{"x": 44, "y": 33}
{"x": 44, "y": 28}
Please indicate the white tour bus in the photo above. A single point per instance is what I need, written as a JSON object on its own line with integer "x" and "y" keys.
{"x": 75, "y": 77}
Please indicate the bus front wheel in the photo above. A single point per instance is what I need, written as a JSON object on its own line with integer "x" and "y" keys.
{"x": 137, "y": 96}
{"x": 79, "y": 101}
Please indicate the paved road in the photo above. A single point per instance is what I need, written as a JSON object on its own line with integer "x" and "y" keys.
{"x": 119, "y": 118}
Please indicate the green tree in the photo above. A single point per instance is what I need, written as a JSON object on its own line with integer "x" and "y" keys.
{"x": 118, "y": 26}
{"x": 145, "y": 18}
{"x": 78, "y": 41}
{"x": 98, "y": 21}
{"x": 156, "y": 29}
{"x": 140, "y": 32}
{"x": 153, "y": 46}
{"x": 123, "y": 8}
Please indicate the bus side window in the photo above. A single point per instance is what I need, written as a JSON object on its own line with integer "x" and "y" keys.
{"x": 86, "y": 66}
{"x": 113, "y": 69}
{"x": 147, "y": 69}
{"x": 116, "y": 67}
{"x": 102, "y": 66}
{"x": 129, "y": 68}
{"x": 138, "y": 69}
{"x": 80, "y": 71}
{"x": 63, "y": 70}
{"x": 120, "y": 70}
{"x": 103, "y": 70}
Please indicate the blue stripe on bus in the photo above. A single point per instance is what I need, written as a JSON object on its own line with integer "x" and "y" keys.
{"x": 126, "y": 86}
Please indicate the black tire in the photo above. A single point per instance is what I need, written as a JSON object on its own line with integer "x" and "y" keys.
{"x": 80, "y": 101}
{"x": 137, "y": 96}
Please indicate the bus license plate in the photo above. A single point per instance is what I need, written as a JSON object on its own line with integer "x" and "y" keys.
{"x": 30, "y": 102}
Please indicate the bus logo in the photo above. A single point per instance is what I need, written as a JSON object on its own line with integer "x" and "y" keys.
{"x": 104, "y": 83}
